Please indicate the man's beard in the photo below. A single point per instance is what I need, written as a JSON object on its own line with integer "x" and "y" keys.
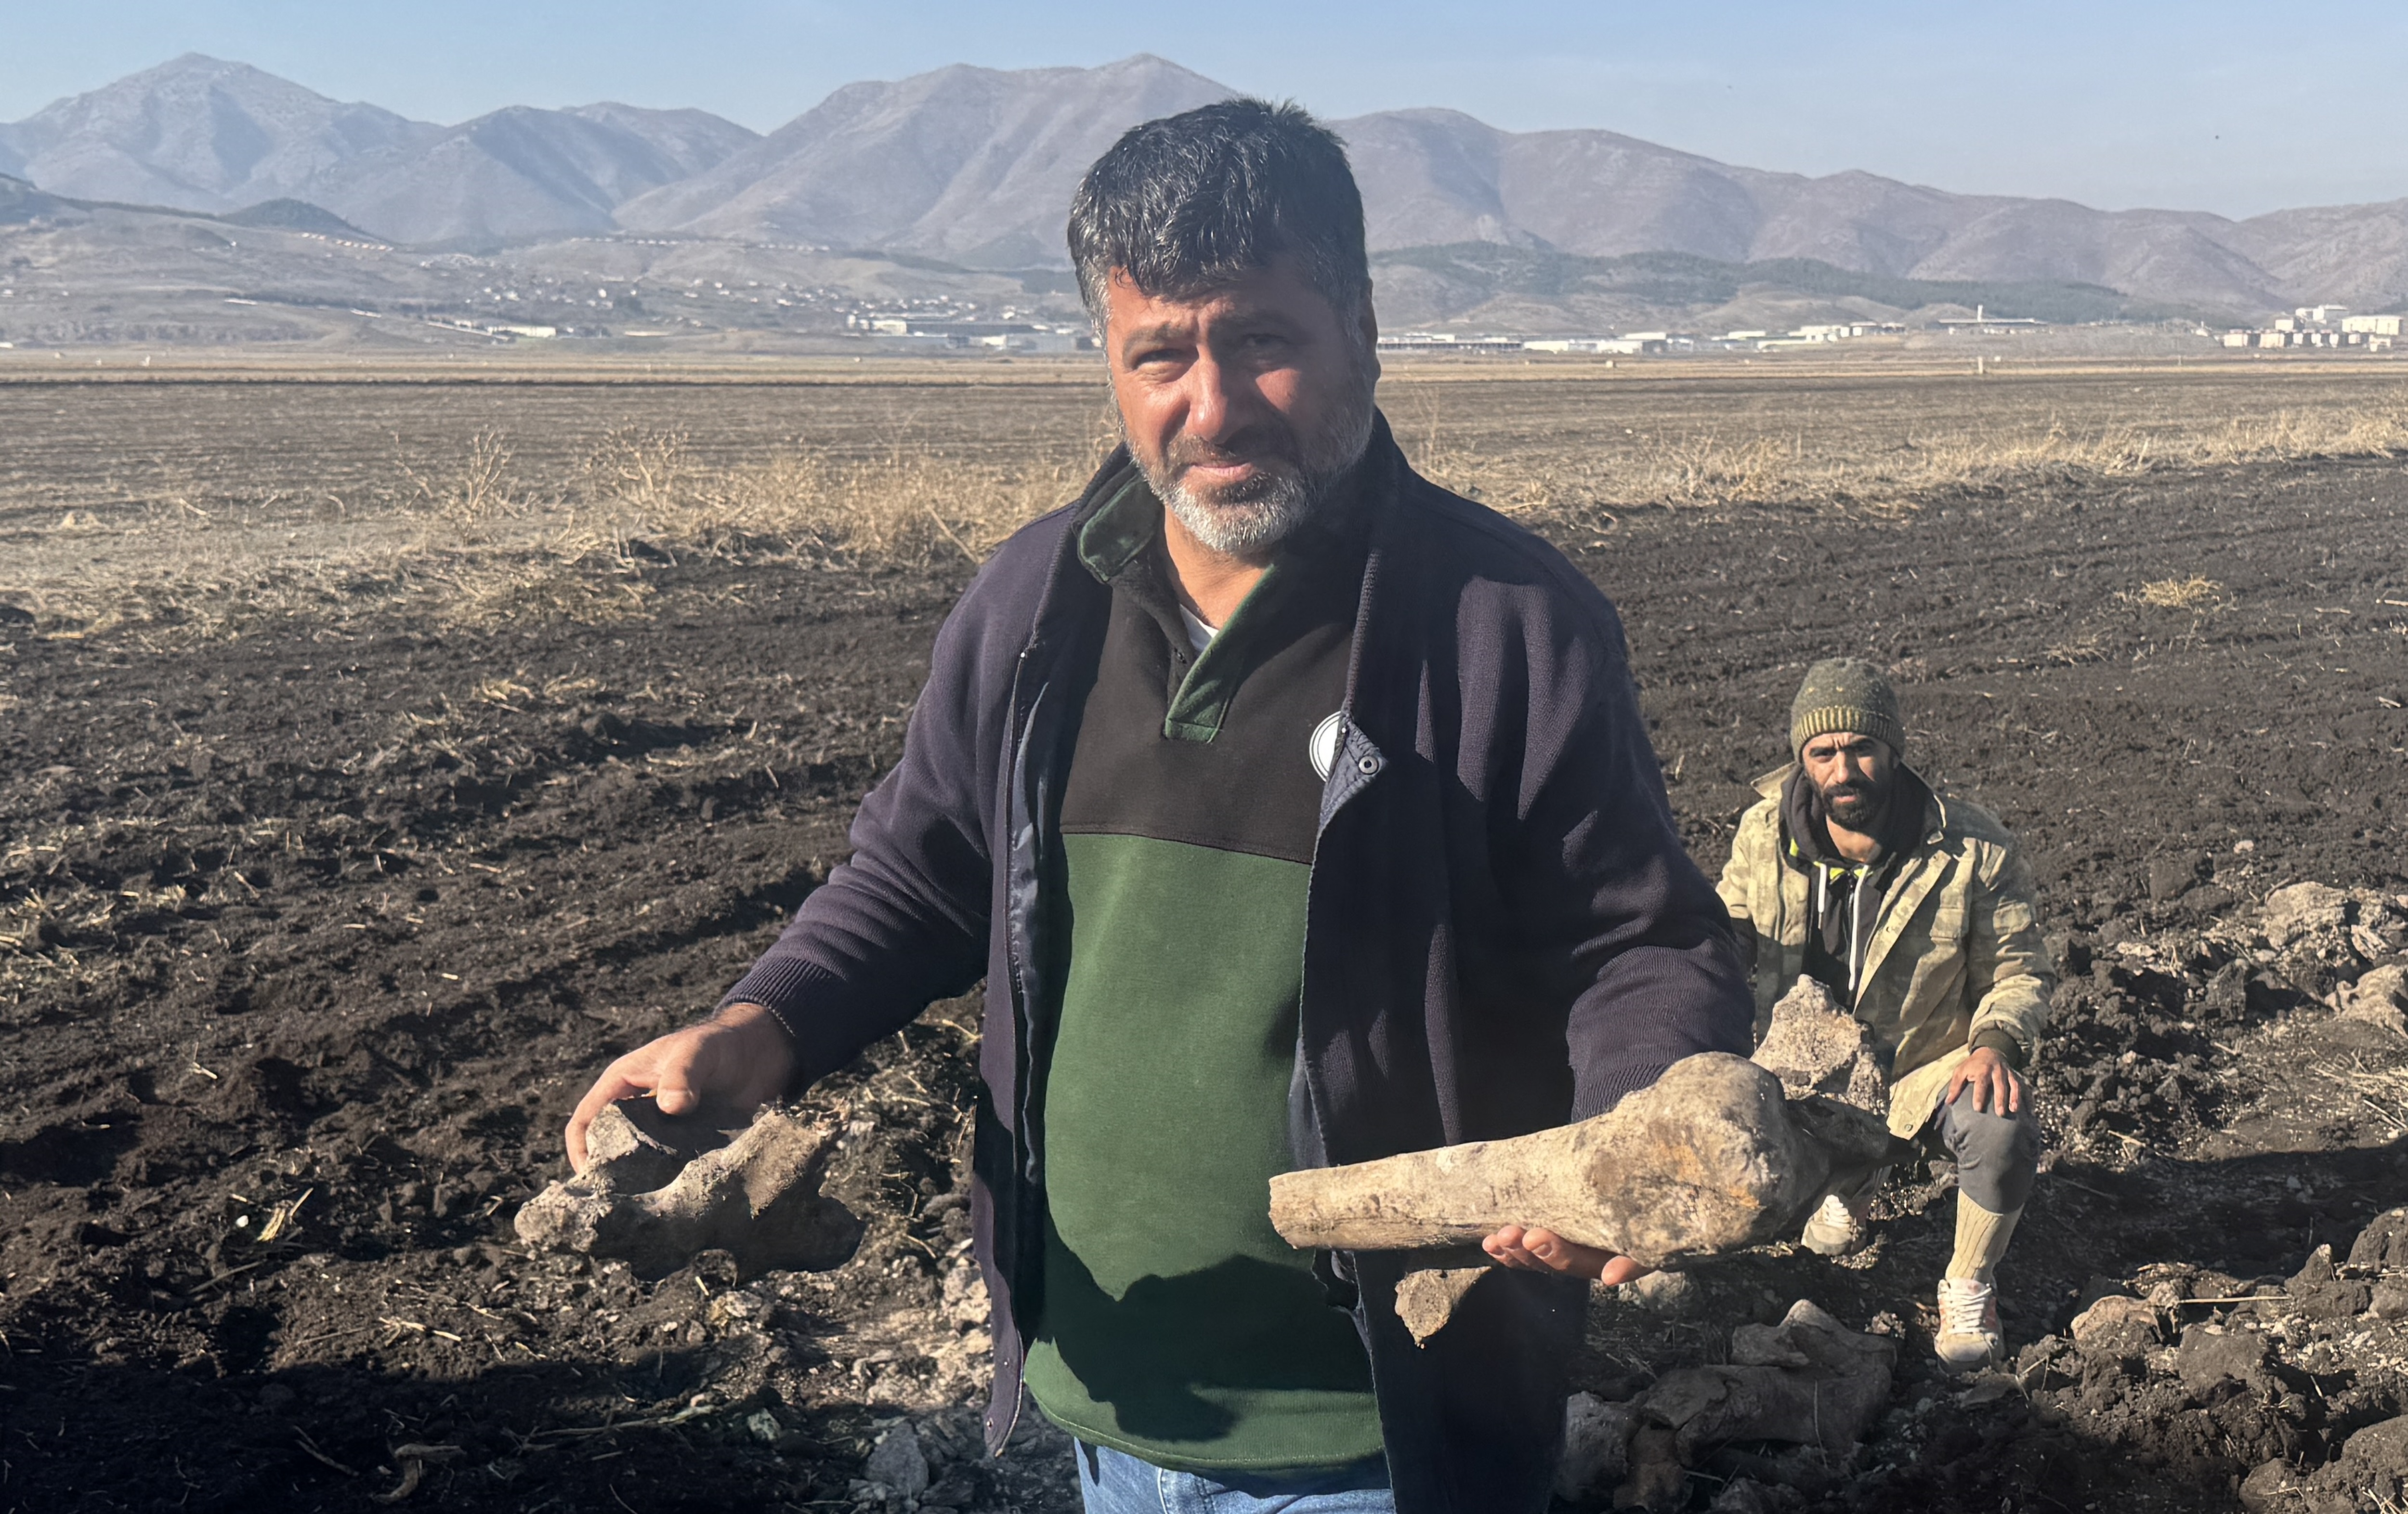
{"x": 1296, "y": 475}
{"x": 1857, "y": 803}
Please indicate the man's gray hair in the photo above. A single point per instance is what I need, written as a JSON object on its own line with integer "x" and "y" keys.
{"x": 1189, "y": 203}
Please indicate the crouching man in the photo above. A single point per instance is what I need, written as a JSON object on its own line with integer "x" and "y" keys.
{"x": 1916, "y": 911}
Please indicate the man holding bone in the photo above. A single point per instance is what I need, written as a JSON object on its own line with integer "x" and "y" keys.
{"x": 1916, "y": 910}
{"x": 1294, "y": 811}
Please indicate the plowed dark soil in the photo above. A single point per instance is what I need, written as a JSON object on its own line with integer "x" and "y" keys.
{"x": 314, "y": 936}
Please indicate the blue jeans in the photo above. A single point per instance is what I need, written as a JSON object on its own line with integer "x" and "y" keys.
{"x": 1114, "y": 1482}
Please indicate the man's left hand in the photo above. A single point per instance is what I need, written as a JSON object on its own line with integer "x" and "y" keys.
{"x": 1543, "y": 1250}
{"x": 1997, "y": 1089}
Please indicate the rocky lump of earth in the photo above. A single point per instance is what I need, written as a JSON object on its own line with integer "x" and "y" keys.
{"x": 2255, "y": 1371}
{"x": 2194, "y": 1366}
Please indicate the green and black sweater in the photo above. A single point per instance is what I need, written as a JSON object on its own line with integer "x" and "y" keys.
{"x": 1176, "y": 1325}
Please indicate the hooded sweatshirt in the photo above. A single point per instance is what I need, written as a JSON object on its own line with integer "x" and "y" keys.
{"x": 1844, "y": 901}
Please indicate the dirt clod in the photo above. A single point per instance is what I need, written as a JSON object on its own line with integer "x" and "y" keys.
{"x": 1807, "y": 1382}
{"x": 2209, "y": 1355}
{"x": 1596, "y": 1447}
{"x": 2117, "y": 1326}
{"x": 898, "y": 1464}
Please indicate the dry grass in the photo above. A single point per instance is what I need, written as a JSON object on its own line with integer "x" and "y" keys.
{"x": 905, "y": 506}
{"x": 477, "y": 539}
{"x": 536, "y": 517}
{"x": 477, "y": 487}
{"x": 644, "y": 498}
{"x": 1833, "y": 465}
{"x": 2075, "y": 650}
{"x": 2382, "y": 1090}
{"x": 2192, "y": 593}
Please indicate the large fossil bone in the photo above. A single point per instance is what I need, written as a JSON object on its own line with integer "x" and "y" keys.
{"x": 661, "y": 1189}
{"x": 1712, "y": 1157}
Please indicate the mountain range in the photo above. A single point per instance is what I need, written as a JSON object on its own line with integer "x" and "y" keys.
{"x": 198, "y": 134}
{"x": 973, "y": 168}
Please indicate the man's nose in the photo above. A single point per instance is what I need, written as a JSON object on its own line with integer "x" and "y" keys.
{"x": 1216, "y": 403}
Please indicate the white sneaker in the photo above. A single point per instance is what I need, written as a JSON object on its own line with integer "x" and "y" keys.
{"x": 1833, "y": 1231}
{"x": 1838, "y": 1227}
{"x": 1969, "y": 1338}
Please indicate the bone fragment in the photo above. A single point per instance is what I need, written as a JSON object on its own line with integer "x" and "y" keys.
{"x": 1815, "y": 1045}
{"x": 1710, "y": 1158}
{"x": 1426, "y": 1300}
{"x": 638, "y": 1148}
{"x": 650, "y": 1200}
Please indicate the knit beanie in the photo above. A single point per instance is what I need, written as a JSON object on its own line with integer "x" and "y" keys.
{"x": 1845, "y": 693}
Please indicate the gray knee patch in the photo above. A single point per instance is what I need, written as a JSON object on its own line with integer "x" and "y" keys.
{"x": 1998, "y": 1156}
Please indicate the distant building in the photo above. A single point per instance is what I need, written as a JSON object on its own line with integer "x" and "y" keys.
{"x": 1035, "y": 342}
{"x": 2322, "y": 315}
{"x": 2369, "y": 333}
{"x": 1448, "y": 343}
{"x": 1981, "y": 322}
{"x": 1825, "y": 332}
{"x": 1620, "y": 346}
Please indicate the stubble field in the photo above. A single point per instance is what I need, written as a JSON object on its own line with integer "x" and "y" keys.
{"x": 382, "y": 750}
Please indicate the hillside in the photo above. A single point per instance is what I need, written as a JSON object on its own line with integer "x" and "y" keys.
{"x": 973, "y": 168}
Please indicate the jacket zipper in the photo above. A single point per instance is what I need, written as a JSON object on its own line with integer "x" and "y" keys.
{"x": 1016, "y": 759}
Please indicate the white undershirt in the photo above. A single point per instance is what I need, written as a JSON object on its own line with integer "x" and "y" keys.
{"x": 1199, "y": 635}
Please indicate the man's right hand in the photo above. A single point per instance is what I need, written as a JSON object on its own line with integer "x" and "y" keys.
{"x": 738, "y": 1058}
{"x": 1531, "y": 1249}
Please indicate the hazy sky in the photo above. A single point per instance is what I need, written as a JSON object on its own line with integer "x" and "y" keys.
{"x": 2203, "y": 104}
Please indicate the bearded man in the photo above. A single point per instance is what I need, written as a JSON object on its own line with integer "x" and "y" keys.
{"x": 1295, "y": 810}
{"x": 1916, "y": 911}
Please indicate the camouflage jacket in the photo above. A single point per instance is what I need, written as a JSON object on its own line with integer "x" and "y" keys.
{"x": 1955, "y": 953}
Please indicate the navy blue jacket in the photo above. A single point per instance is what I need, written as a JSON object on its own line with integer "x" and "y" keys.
{"x": 1503, "y": 932}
